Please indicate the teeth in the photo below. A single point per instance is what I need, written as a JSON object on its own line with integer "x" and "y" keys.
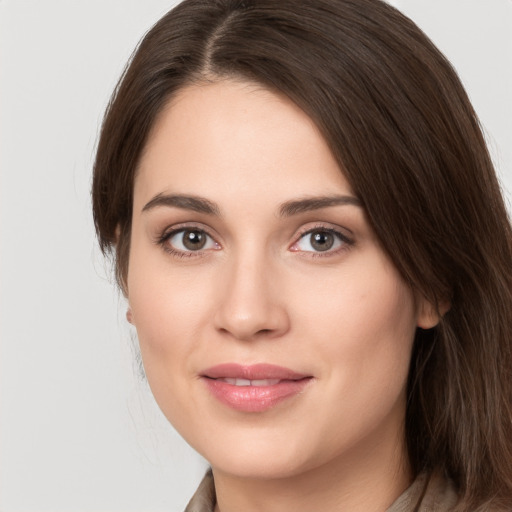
{"x": 246, "y": 382}
{"x": 264, "y": 382}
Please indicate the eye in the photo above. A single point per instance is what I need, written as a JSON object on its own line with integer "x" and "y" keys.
{"x": 321, "y": 240}
{"x": 189, "y": 240}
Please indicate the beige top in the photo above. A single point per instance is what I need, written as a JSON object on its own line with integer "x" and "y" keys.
{"x": 426, "y": 494}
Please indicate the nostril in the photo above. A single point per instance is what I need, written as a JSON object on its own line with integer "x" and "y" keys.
{"x": 250, "y": 317}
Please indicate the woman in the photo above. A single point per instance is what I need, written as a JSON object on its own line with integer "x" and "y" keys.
{"x": 316, "y": 255}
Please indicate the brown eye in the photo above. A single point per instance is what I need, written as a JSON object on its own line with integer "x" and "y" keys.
{"x": 321, "y": 240}
{"x": 194, "y": 240}
{"x": 190, "y": 240}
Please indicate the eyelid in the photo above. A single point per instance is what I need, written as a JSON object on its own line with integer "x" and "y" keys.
{"x": 347, "y": 242}
{"x": 171, "y": 231}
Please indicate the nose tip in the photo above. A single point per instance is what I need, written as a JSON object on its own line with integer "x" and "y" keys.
{"x": 251, "y": 307}
{"x": 247, "y": 328}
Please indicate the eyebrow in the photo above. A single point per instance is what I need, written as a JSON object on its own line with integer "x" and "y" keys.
{"x": 316, "y": 203}
{"x": 196, "y": 204}
{"x": 287, "y": 209}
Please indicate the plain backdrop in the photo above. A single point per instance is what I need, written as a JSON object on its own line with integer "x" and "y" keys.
{"x": 79, "y": 431}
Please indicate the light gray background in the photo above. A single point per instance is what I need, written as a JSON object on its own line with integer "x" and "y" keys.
{"x": 78, "y": 430}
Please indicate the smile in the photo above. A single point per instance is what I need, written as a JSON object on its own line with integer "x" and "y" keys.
{"x": 246, "y": 382}
{"x": 255, "y": 388}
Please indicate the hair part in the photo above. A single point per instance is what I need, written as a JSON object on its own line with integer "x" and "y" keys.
{"x": 401, "y": 126}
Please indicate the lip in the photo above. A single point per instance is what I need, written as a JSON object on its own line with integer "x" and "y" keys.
{"x": 258, "y": 397}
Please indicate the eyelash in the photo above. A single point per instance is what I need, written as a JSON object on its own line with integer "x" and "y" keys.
{"x": 167, "y": 235}
{"x": 346, "y": 242}
{"x": 162, "y": 240}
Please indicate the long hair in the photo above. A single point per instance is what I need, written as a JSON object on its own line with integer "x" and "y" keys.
{"x": 401, "y": 127}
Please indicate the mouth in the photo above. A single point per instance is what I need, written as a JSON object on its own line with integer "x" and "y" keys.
{"x": 254, "y": 388}
{"x": 246, "y": 382}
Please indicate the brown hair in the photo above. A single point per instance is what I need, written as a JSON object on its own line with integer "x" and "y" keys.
{"x": 401, "y": 126}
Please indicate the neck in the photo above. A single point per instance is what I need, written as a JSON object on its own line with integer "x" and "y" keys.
{"x": 369, "y": 478}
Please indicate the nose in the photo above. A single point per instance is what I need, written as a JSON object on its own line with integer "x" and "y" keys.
{"x": 251, "y": 305}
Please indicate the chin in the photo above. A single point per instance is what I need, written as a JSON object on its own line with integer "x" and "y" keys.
{"x": 258, "y": 458}
{"x": 269, "y": 467}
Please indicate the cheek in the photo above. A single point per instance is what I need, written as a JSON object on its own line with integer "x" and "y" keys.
{"x": 363, "y": 329}
{"x": 364, "y": 303}
{"x": 363, "y": 321}
{"x": 164, "y": 296}
{"x": 168, "y": 312}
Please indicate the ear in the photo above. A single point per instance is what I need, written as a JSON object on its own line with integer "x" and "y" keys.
{"x": 129, "y": 315}
{"x": 428, "y": 315}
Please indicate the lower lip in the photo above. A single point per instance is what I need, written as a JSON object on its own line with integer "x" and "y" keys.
{"x": 255, "y": 398}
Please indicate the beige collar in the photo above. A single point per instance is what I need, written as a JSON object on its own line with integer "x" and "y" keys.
{"x": 428, "y": 493}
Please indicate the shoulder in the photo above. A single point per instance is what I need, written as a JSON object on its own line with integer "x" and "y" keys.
{"x": 428, "y": 493}
{"x": 204, "y": 498}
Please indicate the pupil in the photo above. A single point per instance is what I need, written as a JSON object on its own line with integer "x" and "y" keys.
{"x": 194, "y": 240}
{"x": 322, "y": 240}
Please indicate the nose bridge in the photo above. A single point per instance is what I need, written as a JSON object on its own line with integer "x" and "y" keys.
{"x": 250, "y": 304}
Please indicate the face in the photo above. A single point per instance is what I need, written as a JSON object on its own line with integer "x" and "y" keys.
{"x": 275, "y": 332}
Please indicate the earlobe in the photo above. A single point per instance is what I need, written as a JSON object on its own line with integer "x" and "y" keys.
{"x": 129, "y": 315}
{"x": 428, "y": 316}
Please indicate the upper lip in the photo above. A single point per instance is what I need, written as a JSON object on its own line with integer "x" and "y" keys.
{"x": 252, "y": 372}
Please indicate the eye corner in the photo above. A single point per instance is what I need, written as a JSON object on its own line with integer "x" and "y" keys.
{"x": 293, "y": 247}
{"x": 174, "y": 242}
{"x": 338, "y": 242}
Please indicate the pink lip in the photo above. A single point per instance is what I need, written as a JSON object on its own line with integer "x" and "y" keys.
{"x": 253, "y": 398}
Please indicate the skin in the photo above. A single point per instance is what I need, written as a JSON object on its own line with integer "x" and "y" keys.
{"x": 259, "y": 292}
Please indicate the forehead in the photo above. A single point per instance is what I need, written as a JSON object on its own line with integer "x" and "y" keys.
{"x": 231, "y": 136}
